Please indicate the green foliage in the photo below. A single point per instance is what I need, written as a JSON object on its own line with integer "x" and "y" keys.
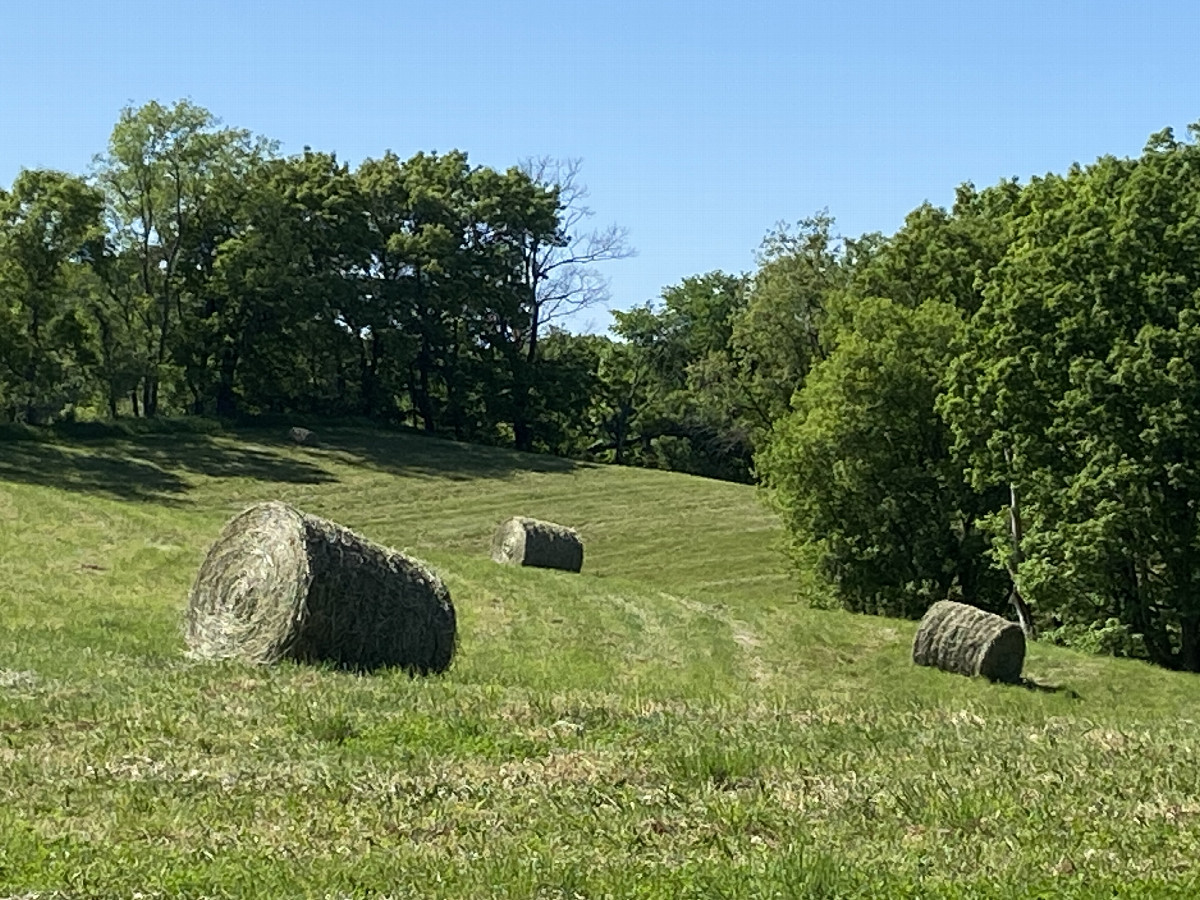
{"x": 226, "y": 280}
{"x": 777, "y": 338}
{"x": 1110, "y": 637}
{"x": 861, "y": 473}
{"x": 940, "y": 255}
{"x": 1078, "y": 383}
{"x": 48, "y": 224}
{"x": 565, "y": 386}
{"x": 161, "y": 176}
{"x": 273, "y": 317}
{"x": 670, "y": 398}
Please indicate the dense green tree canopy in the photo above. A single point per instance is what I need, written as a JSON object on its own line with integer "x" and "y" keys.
{"x": 160, "y": 174}
{"x": 861, "y": 472}
{"x": 48, "y": 221}
{"x": 1078, "y": 383}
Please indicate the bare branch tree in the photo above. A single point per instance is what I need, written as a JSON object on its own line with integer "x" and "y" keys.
{"x": 562, "y": 274}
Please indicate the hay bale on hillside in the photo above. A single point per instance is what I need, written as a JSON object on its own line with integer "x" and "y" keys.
{"x": 529, "y": 542}
{"x": 303, "y": 437}
{"x": 960, "y": 638}
{"x": 278, "y": 583}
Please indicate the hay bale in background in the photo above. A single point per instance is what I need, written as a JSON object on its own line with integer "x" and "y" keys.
{"x": 960, "y": 638}
{"x": 303, "y": 437}
{"x": 278, "y": 583}
{"x": 529, "y": 542}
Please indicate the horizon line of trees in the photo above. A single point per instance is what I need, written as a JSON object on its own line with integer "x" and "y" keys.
{"x": 198, "y": 272}
{"x": 999, "y": 403}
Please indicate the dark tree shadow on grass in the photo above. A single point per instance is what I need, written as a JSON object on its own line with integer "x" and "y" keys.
{"x": 227, "y": 458}
{"x": 412, "y": 454}
{"x": 145, "y": 468}
{"x": 119, "y": 461}
{"x": 50, "y": 465}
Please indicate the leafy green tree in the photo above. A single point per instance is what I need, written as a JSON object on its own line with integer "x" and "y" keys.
{"x": 276, "y": 323}
{"x": 777, "y": 337}
{"x": 948, "y": 257}
{"x": 158, "y": 176}
{"x": 387, "y": 349}
{"x": 1078, "y": 385}
{"x": 640, "y": 372}
{"x": 49, "y": 224}
{"x": 457, "y": 279}
{"x": 427, "y": 248}
{"x": 861, "y": 470}
{"x": 517, "y": 224}
{"x": 942, "y": 255}
{"x": 119, "y": 328}
{"x": 625, "y": 388}
{"x": 565, "y": 390}
{"x": 676, "y": 408}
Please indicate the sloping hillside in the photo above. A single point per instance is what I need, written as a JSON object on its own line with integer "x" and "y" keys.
{"x": 669, "y": 723}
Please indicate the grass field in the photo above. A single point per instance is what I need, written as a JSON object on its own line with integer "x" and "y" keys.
{"x": 668, "y": 724}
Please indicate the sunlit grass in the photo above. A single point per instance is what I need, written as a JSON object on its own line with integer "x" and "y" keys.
{"x": 669, "y": 723}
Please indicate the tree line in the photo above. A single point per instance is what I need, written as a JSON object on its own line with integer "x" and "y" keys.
{"x": 197, "y": 271}
{"x": 1003, "y": 406}
{"x": 997, "y": 403}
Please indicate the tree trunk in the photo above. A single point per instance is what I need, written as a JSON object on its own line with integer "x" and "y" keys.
{"x": 420, "y": 388}
{"x": 1189, "y": 649}
{"x": 522, "y": 428}
{"x": 151, "y": 406}
{"x": 226, "y": 399}
{"x": 621, "y": 432}
{"x": 369, "y": 374}
{"x": 150, "y": 396}
{"x": 31, "y": 367}
{"x": 524, "y": 377}
{"x": 1017, "y": 531}
{"x": 523, "y": 435}
{"x": 108, "y": 355}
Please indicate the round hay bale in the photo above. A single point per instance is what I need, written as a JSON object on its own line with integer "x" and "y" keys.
{"x": 959, "y": 638}
{"x": 279, "y": 583}
{"x": 529, "y": 542}
{"x": 303, "y": 437}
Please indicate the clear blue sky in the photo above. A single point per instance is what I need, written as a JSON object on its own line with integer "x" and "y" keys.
{"x": 699, "y": 125}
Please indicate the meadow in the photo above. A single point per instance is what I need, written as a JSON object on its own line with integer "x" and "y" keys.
{"x": 671, "y": 723}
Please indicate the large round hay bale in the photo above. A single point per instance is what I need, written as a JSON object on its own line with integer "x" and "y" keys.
{"x": 279, "y": 583}
{"x": 960, "y": 638}
{"x": 303, "y": 437}
{"x": 529, "y": 542}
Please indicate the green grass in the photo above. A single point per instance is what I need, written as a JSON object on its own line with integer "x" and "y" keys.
{"x": 668, "y": 724}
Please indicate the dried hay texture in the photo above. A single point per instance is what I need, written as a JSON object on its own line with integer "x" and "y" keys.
{"x": 529, "y": 542}
{"x": 279, "y": 583}
{"x": 960, "y": 638}
{"x": 303, "y": 437}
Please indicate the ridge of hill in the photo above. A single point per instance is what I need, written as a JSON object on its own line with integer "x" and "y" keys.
{"x": 669, "y": 723}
